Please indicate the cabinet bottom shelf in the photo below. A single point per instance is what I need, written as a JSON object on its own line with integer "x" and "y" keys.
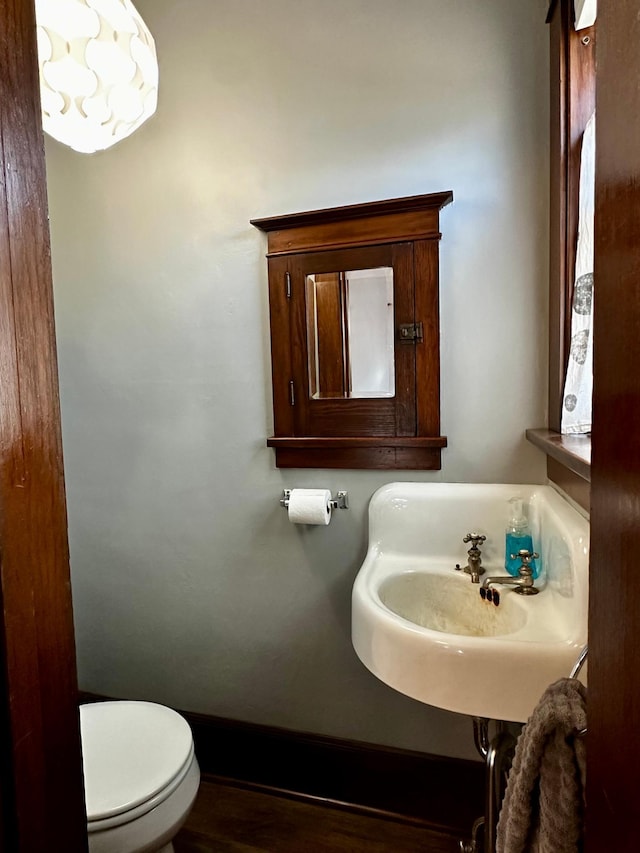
{"x": 380, "y": 452}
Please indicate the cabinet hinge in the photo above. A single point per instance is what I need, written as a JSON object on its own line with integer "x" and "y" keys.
{"x": 410, "y": 333}
{"x": 287, "y": 284}
{"x": 292, "y": 394}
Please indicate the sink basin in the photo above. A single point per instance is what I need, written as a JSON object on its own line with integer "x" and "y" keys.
{"x": 421, "y": 627}
{"x": 441, "y": 603}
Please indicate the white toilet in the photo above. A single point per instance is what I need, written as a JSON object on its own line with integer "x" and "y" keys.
{"x": 141, "y": 775}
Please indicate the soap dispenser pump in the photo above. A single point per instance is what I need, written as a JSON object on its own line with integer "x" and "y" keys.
{"x": 518, "y": 537}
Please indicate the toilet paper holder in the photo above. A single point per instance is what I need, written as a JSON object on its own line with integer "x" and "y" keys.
{"x": 341, "y": 500}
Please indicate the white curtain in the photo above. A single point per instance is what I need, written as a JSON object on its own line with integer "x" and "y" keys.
{"x": 576, "y": 405}
{"x": 586, "y": 12}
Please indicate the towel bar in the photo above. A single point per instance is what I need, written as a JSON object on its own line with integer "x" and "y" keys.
{"x": 575, "y": 672}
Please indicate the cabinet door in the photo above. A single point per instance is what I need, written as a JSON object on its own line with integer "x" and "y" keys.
{"x": 351, "y": 374}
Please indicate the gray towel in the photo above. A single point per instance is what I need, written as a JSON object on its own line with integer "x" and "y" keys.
{"x": 543, "y": 807}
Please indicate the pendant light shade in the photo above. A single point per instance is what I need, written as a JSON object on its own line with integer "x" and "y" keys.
{"x": 98, "y": 71}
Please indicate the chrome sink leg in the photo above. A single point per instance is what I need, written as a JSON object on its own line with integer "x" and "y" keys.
{"x": 497, "y": 752}
{"x": 472, "y": 846}
{"x": 498, "y": 763}
{"x": 481, "y": 735}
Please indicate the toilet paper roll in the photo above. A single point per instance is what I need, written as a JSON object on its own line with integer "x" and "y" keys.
{"x": 309, "y": 506}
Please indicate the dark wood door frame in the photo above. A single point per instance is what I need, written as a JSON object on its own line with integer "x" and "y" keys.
{"x": 613, "y": 745}
{"x": 41, "y": 777}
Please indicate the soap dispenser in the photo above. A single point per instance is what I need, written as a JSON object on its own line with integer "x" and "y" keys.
{"x": 518, "y": 538}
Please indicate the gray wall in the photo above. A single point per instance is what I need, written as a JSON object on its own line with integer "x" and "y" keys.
{"x": 190, "y": 587}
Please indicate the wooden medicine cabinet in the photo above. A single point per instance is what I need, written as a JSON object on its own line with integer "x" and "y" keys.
{"x": 355, "y": 338}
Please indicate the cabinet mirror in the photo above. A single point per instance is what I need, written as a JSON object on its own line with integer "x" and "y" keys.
{"x": 353, "y": 295}
{"x": 350, "y": 333}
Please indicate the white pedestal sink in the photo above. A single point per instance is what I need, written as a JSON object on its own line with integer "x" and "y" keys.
{"x": 421, "y": 626}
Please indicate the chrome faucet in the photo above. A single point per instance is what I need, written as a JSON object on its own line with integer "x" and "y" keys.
{"x": 474, "y": 561}
{"x": 523, "y": 582}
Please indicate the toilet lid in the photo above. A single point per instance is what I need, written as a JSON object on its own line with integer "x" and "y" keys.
{"x": 130, "y": 751}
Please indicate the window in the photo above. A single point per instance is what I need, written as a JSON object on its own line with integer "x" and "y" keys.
{"x": 573, "y": 88}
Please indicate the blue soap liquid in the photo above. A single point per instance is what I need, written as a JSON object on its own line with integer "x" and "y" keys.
{"x": 517, "y": 542}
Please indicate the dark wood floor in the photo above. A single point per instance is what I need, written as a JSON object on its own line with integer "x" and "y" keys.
{"x": 230, "y": 818}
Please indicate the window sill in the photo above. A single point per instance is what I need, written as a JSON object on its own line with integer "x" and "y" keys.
{"x": 572, "y": 451}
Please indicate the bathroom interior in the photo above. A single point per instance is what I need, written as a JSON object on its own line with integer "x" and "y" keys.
{"x": 191, "y": 587}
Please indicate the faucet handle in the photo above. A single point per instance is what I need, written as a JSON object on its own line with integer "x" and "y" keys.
{"x": 526, "y": 556}
{"x": 474, "y": 538}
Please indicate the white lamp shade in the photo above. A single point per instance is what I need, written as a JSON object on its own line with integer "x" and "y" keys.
{"x": 98, "y": 71}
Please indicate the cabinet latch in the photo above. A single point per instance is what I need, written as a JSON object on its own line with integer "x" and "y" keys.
{"x": 410, "y": 333}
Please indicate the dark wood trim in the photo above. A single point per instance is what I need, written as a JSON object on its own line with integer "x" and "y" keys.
{"x": 281, "y": 355}
{"x": 41, "y": 739}
{"x": 8, "y": 830}
{"x": 571, "y": 484}
{"x": 381, "y": 458}
{"x": 376, "y": 231}
{"x": 572, "y": 101}
{"x": 354, "y": 211}
{"x": 371, "y": 224}
{"x": 333, "y": 443}
{"x": 613, "y": 744}
{"x": 411, "y": 786}
{"x": 393, "y": 453}
{"x": 427, "y": 311}
{"x": 402, "y": 783}
{"x": 557, "y": 210}
{"x": 572, "y": 451}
